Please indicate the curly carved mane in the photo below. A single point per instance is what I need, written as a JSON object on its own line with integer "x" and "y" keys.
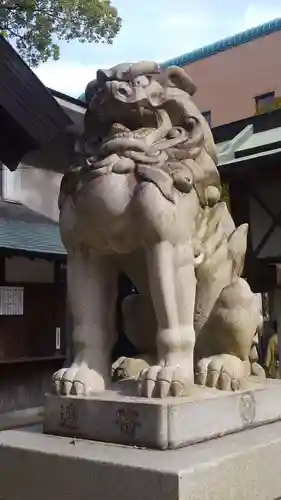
{"x": 141, "y": 119}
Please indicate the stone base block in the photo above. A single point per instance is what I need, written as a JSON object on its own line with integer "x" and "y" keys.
{"x": 242, "y": 466}
{"x": 116, "y": 416}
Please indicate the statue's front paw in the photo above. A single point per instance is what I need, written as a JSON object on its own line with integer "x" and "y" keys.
{"x": 222, "y": 371}
{"x": 163, "y": 381}
{"x": 78, "y": 380}
{"x": 129, "y": 367}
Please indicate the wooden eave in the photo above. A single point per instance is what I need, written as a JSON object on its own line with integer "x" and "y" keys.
{"x": 29, "y": 114}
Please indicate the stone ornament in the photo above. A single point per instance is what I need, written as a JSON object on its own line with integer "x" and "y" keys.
{"x": 145, "y": 201}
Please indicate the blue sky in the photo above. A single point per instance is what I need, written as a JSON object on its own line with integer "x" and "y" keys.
{"x": 155, "y": 30}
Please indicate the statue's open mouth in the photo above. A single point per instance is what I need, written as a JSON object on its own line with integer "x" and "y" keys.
{"x": 132, "y": 120}
{"x": 139, "y": 123}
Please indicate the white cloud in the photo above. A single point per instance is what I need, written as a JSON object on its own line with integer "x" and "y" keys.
{"x": 193, "y": 21}
{"x": 67, "y": 78}
{"x": 255, "y": 15}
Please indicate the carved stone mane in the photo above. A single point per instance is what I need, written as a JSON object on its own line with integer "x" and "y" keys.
{"x": 163, "y": 138}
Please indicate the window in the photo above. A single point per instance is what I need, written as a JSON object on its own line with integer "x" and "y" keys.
{"x": 207, "y": 116}
{"x": 264, "y": 102}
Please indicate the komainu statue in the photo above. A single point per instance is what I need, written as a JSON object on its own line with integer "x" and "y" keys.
{"x": 146, "y": 201}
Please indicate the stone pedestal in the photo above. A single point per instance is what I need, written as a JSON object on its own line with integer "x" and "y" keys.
{"x": 116, "y": 416}
{"x": 241, "y": 466}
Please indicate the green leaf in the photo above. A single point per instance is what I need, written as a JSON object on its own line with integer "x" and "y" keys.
{"x": 33, "y": 25}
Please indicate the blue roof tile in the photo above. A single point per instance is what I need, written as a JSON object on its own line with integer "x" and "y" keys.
{"x": 23, "y": 229}
{"x": 225, "y": 44}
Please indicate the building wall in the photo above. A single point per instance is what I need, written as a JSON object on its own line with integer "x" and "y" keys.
{"x": 29, "y": 352}
{"x": 21, "y": 269}
{"x": 24, "y": 385}
{"x": 36, "y": 182}
{"x": 32, "y": 344}
{"x": 228, "y": 82}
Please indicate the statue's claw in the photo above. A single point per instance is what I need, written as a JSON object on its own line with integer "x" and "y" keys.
{"x": 161, "y": 382}
{"x": 222, "y": 371}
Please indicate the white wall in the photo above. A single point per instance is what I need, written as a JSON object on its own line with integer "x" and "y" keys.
{"x": 36, "y": 188}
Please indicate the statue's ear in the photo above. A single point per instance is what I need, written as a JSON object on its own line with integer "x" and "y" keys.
{"x": 103, "y": 75}
{"x": 180, "y": 79}
{"x": 237, "y": 245}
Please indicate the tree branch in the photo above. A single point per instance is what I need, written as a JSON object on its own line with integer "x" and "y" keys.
{"x": 35, "y": 10}
{"x": 15, "y": 7}
{"x": 15, "y": 35}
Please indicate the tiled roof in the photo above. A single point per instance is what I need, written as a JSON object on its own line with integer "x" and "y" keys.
{"x": 23, "y": 229}
{"x": 225, "y": 44}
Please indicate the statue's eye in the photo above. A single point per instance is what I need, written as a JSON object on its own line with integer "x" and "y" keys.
{"x": 141, "y": 81}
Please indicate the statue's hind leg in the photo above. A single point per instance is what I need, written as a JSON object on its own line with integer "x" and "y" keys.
{"x": 224, "y": 343}
{"x": 227, "y": 312}
{"x": 92, "y": 291}
{"x": 140, "y": 326}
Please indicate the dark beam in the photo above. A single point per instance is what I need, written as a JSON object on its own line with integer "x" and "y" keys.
{"x": 265, "y": 121}
{"x": 11, "y": 252}
{"x": 248, "y": 166}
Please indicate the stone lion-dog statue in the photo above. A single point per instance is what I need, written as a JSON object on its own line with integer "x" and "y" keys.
{"x": 146, "y": 201}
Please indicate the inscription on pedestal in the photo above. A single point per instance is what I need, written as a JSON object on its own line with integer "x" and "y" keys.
{"x": 68, "y": 416}
{"x": 247, "y": 407}
{"x": 128, "y": 421}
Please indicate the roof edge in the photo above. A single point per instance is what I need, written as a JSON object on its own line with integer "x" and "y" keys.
{"x": 225, "y": 44}
{"x": 65, "y": 97}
